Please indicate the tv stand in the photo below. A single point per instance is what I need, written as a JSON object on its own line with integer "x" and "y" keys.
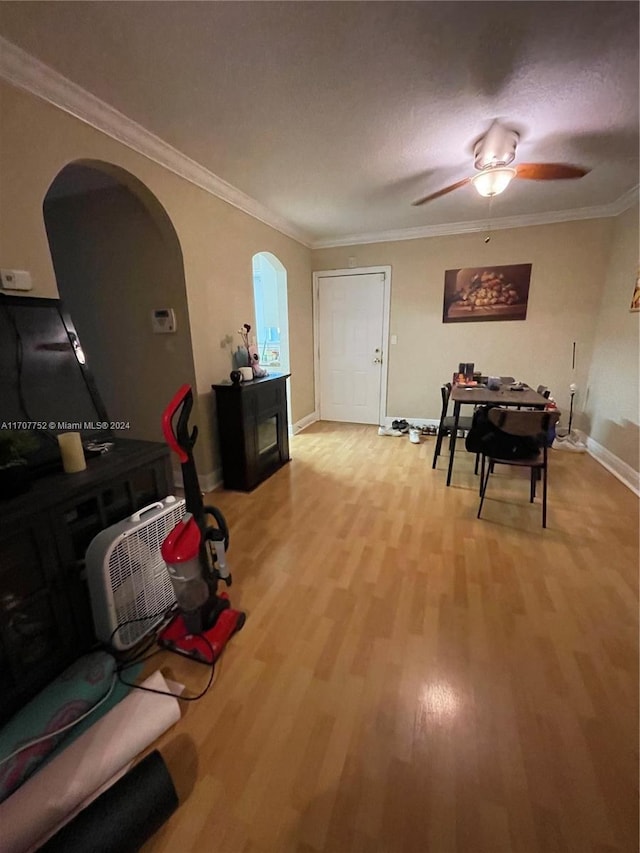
{"x": 45, "y": 615}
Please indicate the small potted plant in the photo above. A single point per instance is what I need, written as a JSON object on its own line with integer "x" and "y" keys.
{"x": 15, "y": 474}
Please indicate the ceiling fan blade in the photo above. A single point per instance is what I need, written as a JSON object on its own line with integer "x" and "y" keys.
{"x": 549, "y": 171}
{"x": 446, "y": 190}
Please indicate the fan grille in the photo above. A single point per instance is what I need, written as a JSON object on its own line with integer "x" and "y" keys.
{"x": 140, "y": 584}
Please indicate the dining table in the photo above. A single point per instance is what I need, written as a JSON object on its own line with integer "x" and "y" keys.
{"x": 514, "y": 394}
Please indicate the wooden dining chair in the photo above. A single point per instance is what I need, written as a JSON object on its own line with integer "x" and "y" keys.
{"x": 521, "y": 424}
{"x": 447, "y": 422}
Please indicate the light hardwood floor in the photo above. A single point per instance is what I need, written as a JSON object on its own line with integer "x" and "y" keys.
{"x": 411, "y": 679}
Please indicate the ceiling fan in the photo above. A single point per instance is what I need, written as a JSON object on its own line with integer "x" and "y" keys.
{"x": 493, "y": 154}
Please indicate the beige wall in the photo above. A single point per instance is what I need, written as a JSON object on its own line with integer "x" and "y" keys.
{"x": 612, "y": 392}
{"x": 218, "y": 241}
{"x": 569, "y": 264}
{"x": 113, "y": 265}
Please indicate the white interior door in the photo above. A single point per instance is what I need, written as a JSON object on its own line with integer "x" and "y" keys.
{"x": 350, "y": 342}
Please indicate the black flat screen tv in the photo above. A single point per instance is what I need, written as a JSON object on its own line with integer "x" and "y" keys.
{"x": 46, "y": 386}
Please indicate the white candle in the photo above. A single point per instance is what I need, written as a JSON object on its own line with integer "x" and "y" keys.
{"x": 72, "y": 453}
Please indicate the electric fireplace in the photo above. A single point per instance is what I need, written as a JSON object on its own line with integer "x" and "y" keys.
{"x": 253, "y": 429}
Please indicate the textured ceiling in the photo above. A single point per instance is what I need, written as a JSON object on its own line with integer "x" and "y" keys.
{"x": 337, "y": 115}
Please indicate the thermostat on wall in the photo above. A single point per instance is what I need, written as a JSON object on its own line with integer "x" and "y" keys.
{"x": 163, "y": 320}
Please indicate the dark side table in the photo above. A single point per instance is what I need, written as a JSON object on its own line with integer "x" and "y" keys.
{"x": 253, "y": 429}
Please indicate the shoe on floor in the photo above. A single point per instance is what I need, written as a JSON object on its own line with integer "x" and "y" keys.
{"x": 389, "y": 431}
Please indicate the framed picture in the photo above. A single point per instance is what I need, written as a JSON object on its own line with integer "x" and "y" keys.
{"x": 635, "y": 299}
{"x": 476, "y": 294}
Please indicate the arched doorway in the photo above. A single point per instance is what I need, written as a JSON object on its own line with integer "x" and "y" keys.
{"x": 117, "y": 259}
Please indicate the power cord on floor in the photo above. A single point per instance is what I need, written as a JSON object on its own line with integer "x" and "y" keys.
{"x": 209, "y": 684}
{"x": 145, "y": 657}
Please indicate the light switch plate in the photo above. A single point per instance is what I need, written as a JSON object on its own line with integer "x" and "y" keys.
{"x": 16, "y": 280}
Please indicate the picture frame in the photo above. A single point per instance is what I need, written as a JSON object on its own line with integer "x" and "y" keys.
{"x": 486, "y": 293}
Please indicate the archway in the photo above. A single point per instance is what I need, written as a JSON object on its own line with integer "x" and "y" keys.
{"x": 117, "y": 259}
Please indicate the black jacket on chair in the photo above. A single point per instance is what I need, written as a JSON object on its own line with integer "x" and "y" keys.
{"x": 484, "y": 437}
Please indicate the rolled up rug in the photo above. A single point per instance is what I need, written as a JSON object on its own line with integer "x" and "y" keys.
{"x": 125, "y": 816}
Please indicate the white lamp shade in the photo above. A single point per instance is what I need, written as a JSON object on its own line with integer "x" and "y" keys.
{"x": 493, "y": 181}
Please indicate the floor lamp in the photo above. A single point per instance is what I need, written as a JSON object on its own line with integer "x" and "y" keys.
{"x": 572, "y": 391}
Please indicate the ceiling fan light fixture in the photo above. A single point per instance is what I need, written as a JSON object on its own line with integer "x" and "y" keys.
{"x": 496, "y": 148}
{"x": 493, "y": 181}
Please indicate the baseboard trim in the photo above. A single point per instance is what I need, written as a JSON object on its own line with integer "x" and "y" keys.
{"x": 621, "y": 470}
{"x": 208, "y": 482}
{"x": 303, "y": 423}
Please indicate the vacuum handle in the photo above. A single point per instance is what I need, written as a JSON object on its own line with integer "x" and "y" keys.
{"x": 219, "y": 532}
{"x": 182, "y": 442}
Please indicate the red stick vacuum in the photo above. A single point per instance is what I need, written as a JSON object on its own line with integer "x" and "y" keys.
{"x": 195, "y": 554}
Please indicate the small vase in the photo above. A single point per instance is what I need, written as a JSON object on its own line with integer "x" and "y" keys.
{"x": 241, "y": 358}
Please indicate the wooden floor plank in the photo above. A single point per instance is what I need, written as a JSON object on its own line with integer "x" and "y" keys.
{"x": 411, "y": 679}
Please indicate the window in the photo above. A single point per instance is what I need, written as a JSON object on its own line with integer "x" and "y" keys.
{"x": 272, "y": 323}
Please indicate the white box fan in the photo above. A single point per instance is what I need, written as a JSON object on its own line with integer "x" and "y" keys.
{"x": 128, "y": 579}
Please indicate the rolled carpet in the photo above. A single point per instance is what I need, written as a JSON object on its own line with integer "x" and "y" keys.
{"x": 36, "y": 810}
{"x": 78, "y": 689}
{"x": 125, "y": 816}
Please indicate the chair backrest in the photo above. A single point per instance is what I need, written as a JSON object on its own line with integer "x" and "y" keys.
{"x": 542, "y": 389}
{"x": 445, "y": 391}
{"x": 523, "y": 422}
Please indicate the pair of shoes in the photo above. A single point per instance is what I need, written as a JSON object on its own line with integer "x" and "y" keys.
{"x": 429, "y": 429}
{"x": 383, "y": 430}
{"x": 402, "y": 425}
{"x": 567, "y": 443}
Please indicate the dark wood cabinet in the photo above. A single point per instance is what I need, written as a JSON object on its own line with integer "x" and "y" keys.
{"x": 45, "y": 614}
{"x": 253, "y": 429}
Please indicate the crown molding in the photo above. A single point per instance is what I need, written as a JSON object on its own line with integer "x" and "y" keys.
{"x": 626, "y": 201}
{"x": 26, "y": 72}
{"x": 23, "y": 70}
{"x": 602, "y": 211}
